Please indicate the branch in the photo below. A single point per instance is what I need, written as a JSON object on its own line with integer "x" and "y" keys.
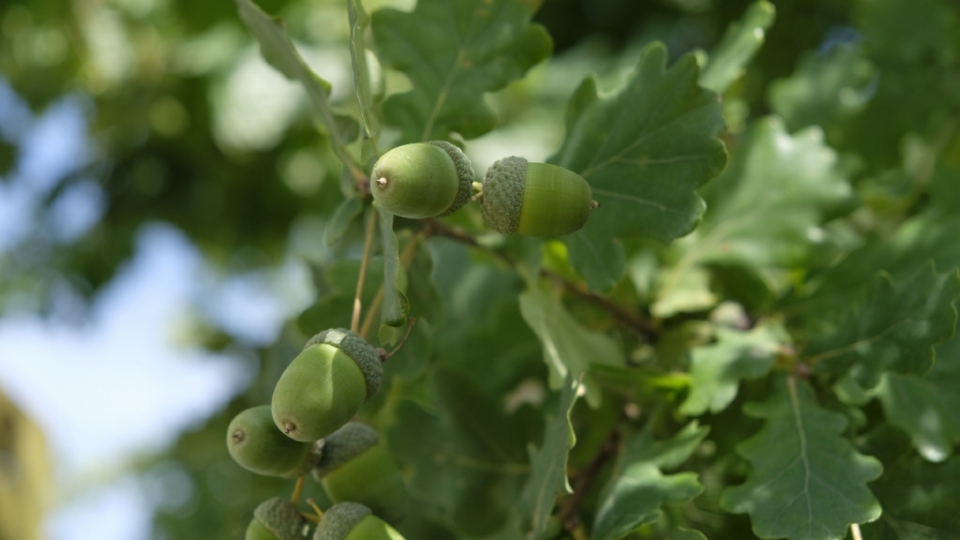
{"x": 642, "y": 326}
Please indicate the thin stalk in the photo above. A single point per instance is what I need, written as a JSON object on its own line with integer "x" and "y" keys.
{"x": 297, "y": 490}
{"x": 367, "y": 248}
{"x": 406, "y": 258}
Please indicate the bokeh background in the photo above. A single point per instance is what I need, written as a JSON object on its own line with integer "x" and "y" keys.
{"x": 163, "y": 193}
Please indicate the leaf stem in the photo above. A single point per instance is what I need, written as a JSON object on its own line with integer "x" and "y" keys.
{"x": 367, "y": 248}
{"x": 855, "y": 531}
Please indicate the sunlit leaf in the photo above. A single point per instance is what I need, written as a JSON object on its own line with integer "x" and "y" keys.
{"x": 765, "y": 209}
{"x": 716, "y": 369}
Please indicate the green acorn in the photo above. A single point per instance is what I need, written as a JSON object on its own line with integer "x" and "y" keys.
{"x": 534, "y": 199}
{"x": 353, "y": 521}
{"x": 325, "y": 385}
{"x": 354, "y": 467}
{"x": 256, "y": 444}
{"x": 276, "y": 519}
{"x": 422, "y": 180}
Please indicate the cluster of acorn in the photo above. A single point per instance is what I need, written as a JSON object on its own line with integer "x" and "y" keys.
{"x": 306, "y": 429}
{"x": 435, "y": 178}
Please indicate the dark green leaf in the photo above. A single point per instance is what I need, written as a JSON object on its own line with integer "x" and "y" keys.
{"x": 716, "y": 369}
{"x": 638, "y": 487}
{"x": 807, "y": 482}
{"x": 740, "y": 42}
{"x": 927, "y": 407}
{"x": 453, "y": 53}
{"x": 645, "y": 151}
{"x": 894, "y": 328}
{"x": 549, "y": 476}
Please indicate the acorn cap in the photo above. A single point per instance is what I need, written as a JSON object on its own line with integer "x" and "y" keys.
{"x": 357, "y": 348}
{"x": 343, "y": 445}
{"x": 281, "y": 517}
{"x": 464, "y": 174}
{"x": 339, "y": 520}
{"x": 503, "y": 187}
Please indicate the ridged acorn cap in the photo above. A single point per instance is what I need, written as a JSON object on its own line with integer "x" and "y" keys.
{"x": 357, "y": 348}
{"x": 503, "y": 194}
{"x": 464, "y": 174}
{"x": 281, "y": 517}
{"x": 343, "y": 445}
{"x": 534, "y": 199}
{"x": 339, "y": 520}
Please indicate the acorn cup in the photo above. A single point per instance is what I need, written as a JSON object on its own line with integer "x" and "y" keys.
{"x": 276, "y": 519}
{"x": 355, "y": 467}
{"x": 534, "y": 199}
{"x": 353, "y": 521}
{"x": 324, "y": 386}
{"x": 422, "y": 180}
{"x": 256, "y": 444}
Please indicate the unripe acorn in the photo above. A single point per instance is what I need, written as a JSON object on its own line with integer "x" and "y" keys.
{"x": 422, "y": 180}
{"x": 276, "y": 519}
{"x": 353, "y": 521}
{"x": 256, "y": 444}
{"x": 324, "y": 386}
{"x": 355, "y": 467}
{"x": 534, "y": 199}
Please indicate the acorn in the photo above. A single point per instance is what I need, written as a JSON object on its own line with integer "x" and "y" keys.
{"x": 534, "y": 199}
{"x": 256, "y": 444}
{"x": 324, "y": 386}
{"x": 422, "y": 180}
{"x": 355, "y": 467}
{"x": 353, "y": 521}
{"x": 276, "y": 519}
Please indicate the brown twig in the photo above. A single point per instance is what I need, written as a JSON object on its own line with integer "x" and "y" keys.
{"x": 367, "y": 248}
{"x": 406, "y": 259}
{"x": 638, "y": 324}
{"x": 569, "y": 510}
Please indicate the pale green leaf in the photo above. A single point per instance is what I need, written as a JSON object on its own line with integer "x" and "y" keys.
{"x": 359, "y": 21}
{"x": 281, "y": 53}
{"x": 638, "y": 487}
{"x": 686, "y": 534}
{"x": 568, "y": 348}
{"x": 807, "y": 481}
{"x": 549, "y": 476}
{"x": 765, "y": 209}
{"x": 717, "y": 369}
{"x": 915, "y": 496}
{"x": 340, "y": 221}
{"x": 454, "y": 52}
{"x": 740, "y": 42}
{"x": 395, "y": 304}
{"x": 644, "y": 150}
{"x": 824, "y": 88}
{"x": 895, "y": 327}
